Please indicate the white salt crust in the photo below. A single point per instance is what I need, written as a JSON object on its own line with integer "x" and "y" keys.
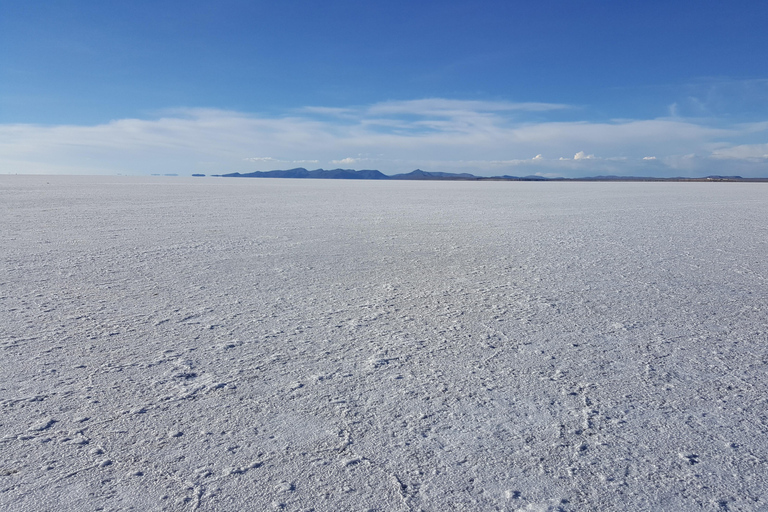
{"x": 256, "y": 344}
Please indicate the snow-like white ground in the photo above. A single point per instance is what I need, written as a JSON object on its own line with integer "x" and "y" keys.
{"x": 246, "y": 344}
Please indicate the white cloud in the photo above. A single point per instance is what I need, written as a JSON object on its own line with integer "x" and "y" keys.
{"x": 649, "y": 158}
{"x": 261, "y": 159}
{"x": 346, "y": 161}
{"x": 582, "y": 156}
{"x": 457, "y": 136}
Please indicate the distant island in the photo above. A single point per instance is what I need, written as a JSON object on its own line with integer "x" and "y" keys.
{"x": 418, "y": 174}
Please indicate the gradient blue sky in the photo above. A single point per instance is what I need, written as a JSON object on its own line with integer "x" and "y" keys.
{"x": 557, "y": 88}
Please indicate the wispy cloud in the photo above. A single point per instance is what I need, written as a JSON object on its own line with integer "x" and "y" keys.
{"x": 743, "y": 152}
{"x": 450, "y": 108}
{"x": 346, "y": 161}
{"x": 395, "y": 136}
{"x": 716, "y": 96}
{"x": 432, "y": 107}
{"x": 261, "y": 159}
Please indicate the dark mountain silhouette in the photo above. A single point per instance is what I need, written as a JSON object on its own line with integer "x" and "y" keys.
{"x": 300, "y": 172}
{"x": 418, "y": 174}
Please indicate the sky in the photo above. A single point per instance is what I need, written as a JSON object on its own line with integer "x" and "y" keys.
{"x": 552, "y": 88}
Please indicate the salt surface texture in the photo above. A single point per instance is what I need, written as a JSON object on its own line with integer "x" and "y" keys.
{"x": 225, "y": 344}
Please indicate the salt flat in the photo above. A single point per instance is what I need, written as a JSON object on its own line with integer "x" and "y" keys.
{"x": 236, "y": 344}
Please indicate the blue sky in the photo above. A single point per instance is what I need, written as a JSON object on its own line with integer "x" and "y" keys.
{"x": 557, "y": 88}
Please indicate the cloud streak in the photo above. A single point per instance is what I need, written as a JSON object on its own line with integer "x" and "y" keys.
{"x": 486, "y": 138}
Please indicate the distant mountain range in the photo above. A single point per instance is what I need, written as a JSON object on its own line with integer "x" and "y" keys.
{"x": 418, "y": 174}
